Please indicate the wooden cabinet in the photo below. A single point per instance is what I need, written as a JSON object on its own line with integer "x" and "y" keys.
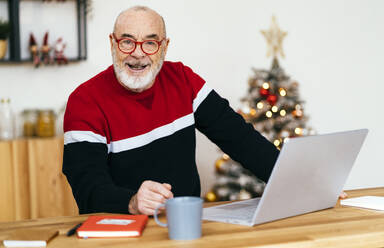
{"x": 31, "y": 182}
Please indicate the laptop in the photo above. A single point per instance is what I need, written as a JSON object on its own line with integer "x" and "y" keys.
{"x": 309, "y": 175}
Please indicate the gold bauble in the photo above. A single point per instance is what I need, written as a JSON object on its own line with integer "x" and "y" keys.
{"x": 219, "y": 163}
{"x": 253, "y": 112}
{"x": 297, "y": 113}
{"x": 211, "y": 196}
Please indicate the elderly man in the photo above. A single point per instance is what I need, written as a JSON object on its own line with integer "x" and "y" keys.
{"x": 130, "y": 130}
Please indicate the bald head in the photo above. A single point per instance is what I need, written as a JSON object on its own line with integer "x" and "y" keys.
{"x": 142, "y": 11}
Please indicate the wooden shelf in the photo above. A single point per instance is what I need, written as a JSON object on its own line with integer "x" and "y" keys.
{"x": 28, "y": 61}
{"x": 18, "y": 36}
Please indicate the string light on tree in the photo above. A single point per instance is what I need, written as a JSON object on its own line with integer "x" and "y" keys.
{"x": 282, "y": 92}
{"x": 299, "y": 131}
{"x": 260, "y": 105}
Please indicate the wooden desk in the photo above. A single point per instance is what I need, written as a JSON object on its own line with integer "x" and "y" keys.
{"x": 336, "y": 227}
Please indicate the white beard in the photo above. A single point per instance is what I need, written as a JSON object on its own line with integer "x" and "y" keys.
{"x": 137, "y": 84}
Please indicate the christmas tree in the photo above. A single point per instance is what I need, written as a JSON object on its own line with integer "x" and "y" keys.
{"x": 274, "y": 107}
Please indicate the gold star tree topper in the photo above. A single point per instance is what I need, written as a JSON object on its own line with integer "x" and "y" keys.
{"x": 274, "y": 36}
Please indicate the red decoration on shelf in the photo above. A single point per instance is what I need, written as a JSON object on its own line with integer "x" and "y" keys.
{"x": 45, "y": 49}
{"x": 272, "y": 99}
{"x": 60, "y": 58}
{"x": 264, "y": 92}
{"x": 34, "y": 50}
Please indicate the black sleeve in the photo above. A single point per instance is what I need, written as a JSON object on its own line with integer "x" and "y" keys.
{"x": 227, "y": 129}
{"x": 85, "y": 166}
{"x": 85, "y": 159}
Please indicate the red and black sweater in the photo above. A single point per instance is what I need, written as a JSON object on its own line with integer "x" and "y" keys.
{"x": 115, "y": 139}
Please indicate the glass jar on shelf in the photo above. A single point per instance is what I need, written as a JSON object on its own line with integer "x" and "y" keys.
{"x": 7, "y": 125}
{"x": 29, "y": 117}
{"x": 45, "y": 126}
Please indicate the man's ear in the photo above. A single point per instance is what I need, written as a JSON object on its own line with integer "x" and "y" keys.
{"x": 111, "y": 41}
{"x": 166, "y": 46}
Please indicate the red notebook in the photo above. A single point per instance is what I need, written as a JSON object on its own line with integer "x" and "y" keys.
{"x": 113, "y": 226}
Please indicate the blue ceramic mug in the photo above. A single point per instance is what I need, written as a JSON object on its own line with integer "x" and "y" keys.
{"x": 183, "y": 217}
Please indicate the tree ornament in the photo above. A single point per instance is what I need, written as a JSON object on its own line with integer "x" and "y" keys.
{"x": 219, "y": 164}
{"x": 211, "y": 196}
{"x": 297, "y": 113}
{"x": 274, "y": 36}
{"x": 253, "y": 112}
{"x": 264, "y": 92}
{"x": 272, "y": 99}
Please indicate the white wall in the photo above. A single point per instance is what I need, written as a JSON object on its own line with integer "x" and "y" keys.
{"x": 334, "y": 50}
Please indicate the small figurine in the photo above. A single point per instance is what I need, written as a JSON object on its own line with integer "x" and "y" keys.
{"x": 59, "y": 52}
{"x": 34, "y": 50}
{"x": 45, "y": 49}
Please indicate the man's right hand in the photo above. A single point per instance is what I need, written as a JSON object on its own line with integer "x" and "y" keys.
{"x": 149, "y": 196}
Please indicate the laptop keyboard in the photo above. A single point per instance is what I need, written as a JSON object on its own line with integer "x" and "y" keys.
{"x": 243, "y": 210}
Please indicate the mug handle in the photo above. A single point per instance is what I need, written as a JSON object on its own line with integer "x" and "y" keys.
{"x": 156, "y": 219}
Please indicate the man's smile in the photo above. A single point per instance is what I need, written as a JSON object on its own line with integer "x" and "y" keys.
{"x": 137, "y": 66}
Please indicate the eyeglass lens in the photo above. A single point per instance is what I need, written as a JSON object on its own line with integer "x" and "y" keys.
{"x": 148, "y": 46}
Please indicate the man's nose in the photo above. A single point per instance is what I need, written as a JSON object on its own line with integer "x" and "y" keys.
{"x": 138, "y": 52}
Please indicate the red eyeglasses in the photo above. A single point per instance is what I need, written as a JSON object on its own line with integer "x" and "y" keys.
{"x": 128, "y": 45}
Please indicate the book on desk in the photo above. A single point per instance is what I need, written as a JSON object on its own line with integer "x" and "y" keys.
{"x": 30, "y": 237}
{"x": 113, "y": 226}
